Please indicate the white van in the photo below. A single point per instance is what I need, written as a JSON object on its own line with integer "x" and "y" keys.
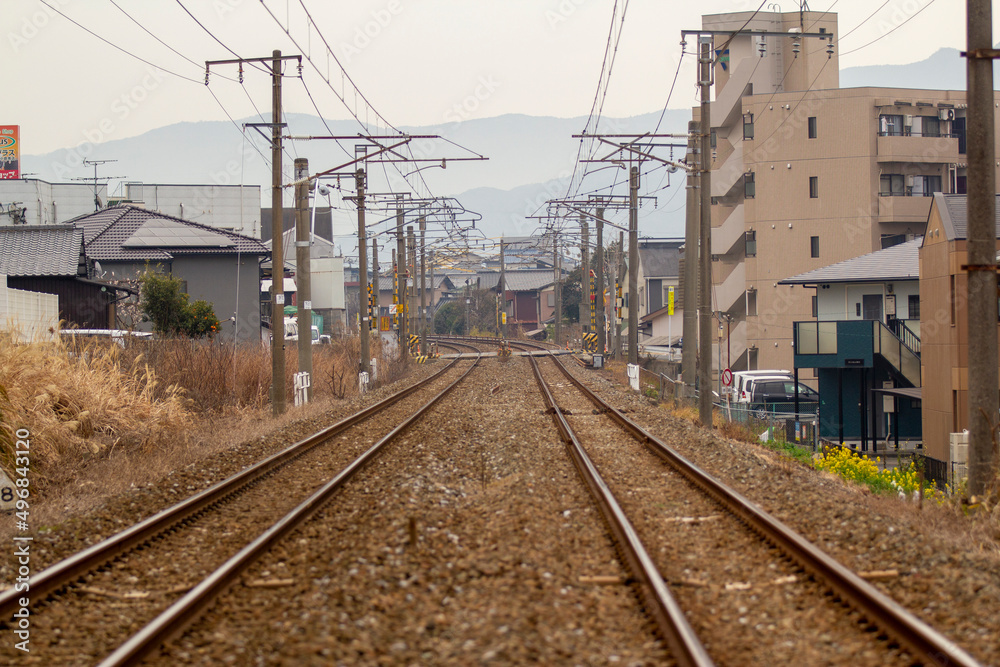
{"x": 743, "y": 382}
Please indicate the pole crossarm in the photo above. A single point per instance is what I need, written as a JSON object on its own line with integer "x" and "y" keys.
{"x": 267, "y": 62}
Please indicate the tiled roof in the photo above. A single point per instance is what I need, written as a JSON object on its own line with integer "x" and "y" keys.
{"x": 527, "y": 281}
{"x": 385, "y": 283}
{"x": 898, "y": 262}
{"x": 107, "y": 236}
{"x": 36, "y": 250}
{"x": 660, "y": 259}
{"x": 954, "y": 215}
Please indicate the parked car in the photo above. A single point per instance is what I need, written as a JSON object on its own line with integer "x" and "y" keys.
{"x": 770, "y": 394}
{"x": 743, "y": 382}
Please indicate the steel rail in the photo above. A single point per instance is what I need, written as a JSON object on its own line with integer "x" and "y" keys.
{"x": 686, "y": 648}
{"x": 68, "y": 570}
{"x": 189, "y": 607}
{"x": 928, "y": 645}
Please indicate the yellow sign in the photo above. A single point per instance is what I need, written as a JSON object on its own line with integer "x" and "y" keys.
{"x": 504, "y": 318}
{"x": 670, "y": 301}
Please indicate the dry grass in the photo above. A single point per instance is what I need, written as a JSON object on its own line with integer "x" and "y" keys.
{"x": 98, "y": 409}
{"x": 78, "y": 404}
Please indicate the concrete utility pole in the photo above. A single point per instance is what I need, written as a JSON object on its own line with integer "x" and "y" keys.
{"x": 430, "y": 294}
{"x": 277, "y": 250}
{"x": 401, "y": 274}
{"x": 423, "y": 285}
{"x": 689, "y": 351}
{"x": 557, "y": 293}
{"x": 363, "y": 330}
{"x": 503, "y": 291}
{"x": 618, "y": 281}
{"x": 982, "y": 264}
{"x": 599, "y": 283}
{"x": 633, "y": 266}
{"x": 584, "y": 274}
{"x": 705, "y": 255}
{"x": 303, "y": 277}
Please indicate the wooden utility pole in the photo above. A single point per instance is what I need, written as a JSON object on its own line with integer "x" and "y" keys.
{"x": 705, "y": 254}
{"x": 689, "y": 350}
{"x": 633, "y": 266}
{"x": 982, "y": 264}
{"x": 364, "y": 328}
{"x": 277, "y": 251}
{"x": 599, "y": 283}
{"x": 303, "y": 277}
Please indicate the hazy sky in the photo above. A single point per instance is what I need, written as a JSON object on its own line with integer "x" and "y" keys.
{"x": 418, "y": 62}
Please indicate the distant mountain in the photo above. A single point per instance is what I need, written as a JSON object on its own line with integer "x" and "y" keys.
{"x": 943, "y": 70}
{"x": 530, "y": 158}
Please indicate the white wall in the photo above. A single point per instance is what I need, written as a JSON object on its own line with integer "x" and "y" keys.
{"x": 29, "y": 316}
{"x": 232, "y": 207}
{"x": 839, "y": 302}
{"x": 49, "y": 203}
{"x": 327, "y": 284}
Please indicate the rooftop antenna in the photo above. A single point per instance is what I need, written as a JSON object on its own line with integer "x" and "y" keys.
{"x": 95, "y": 179}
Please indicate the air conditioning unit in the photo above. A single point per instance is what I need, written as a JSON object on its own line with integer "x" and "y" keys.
{"x": 909, "y": 180}
{"x": 908, "y": 120}
{"x": 946, "y": 114}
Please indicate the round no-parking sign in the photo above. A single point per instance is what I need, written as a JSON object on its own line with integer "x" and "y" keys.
{"x": 727, "y": 377}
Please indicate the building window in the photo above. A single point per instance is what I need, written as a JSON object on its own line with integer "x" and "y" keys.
{"x": 890, "y": 125}
{"x": 712, "y": 139}
{"x": 749, "y": 186}
{"x": 913, "y": 302}
{"x": 751, "y": 243}
{"x": 814, "y": 246}
{"x": 813, "y": 187}
{"x": 891, "y": 185}
{"x": 751, "y": 297}
{"x": 925, "y": 186}
{"x": 930, "y": 126}
{"x": 815, "y": 306}
{"x": 812, "y": 127}
{"x": 748, "y": 126}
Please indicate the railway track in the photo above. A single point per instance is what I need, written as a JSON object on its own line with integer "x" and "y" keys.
{"x": 153, "y": 562}
{"x": 879, "y": 624}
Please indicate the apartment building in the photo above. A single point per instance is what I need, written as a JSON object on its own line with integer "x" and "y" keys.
{"x": 806, "y": 174}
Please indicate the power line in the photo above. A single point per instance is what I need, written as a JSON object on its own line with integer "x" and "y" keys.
{"x": 915, "y": 14}
{"x": 112, "y": 44}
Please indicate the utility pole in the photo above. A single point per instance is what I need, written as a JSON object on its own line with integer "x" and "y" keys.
{"x": 423, "y": 284}
{"x": 599, "y": 292}
{"x": 982, "y": 264}
{"x": 401, "y": 276}
{"x": 363, "y": 329}
{"x": 633, "y": 266}
{"x": 430, "y": 294}
{"x": 705, "y": 256}
{"x": 376, "y": 289}
{"x": 557, "y": 293}
{"x": 689, "y": 351}
{"x": 618, "y": 281}
{"x": 277, "y": 222}
{"x": 412, "y": 310}
{"x": 503, "y": 291}
{"x": 584, "y": 274}
{"x": 303, "y": 277}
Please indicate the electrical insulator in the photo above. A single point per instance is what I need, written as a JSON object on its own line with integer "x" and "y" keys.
{"x": 796, "y": 47}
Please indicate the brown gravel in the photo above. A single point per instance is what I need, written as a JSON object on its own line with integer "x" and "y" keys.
{"x": 503, "y": 533}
